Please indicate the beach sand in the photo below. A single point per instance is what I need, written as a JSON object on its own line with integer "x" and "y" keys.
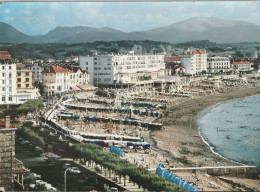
{"x": 185, "y": 148}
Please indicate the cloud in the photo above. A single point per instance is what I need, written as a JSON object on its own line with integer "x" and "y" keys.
{"x": 39, "y": 18}
{"x": 9, "y": 19}
{"x": 7, "y": 11}
{"x": 27, "y": 12}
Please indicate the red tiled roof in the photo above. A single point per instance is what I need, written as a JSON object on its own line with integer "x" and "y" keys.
{"x": 2, "y": 125}
{"x": 56, "y": 69}
{"x": 240, "y": 62}
{"x": 173, "y": 58}
{"x": 4, "y": 53}
{"x": 5, "y": 57}
{"x": 196, "y": 52}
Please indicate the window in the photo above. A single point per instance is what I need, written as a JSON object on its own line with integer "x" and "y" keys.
{"x": 10, "y": 89}
{"x": 3, "y": 74}
{"x": 19, "y": 79}
{"x": 10, "y": 75}
{"x": 3, "y": 81}
{"x": 86, "y": 63}
{"x": 3, "y": 88}
{"x": 27, "y": 73}
{"x": 27, "y": 79}
{"x": 10, "y": 67}
{"x": 10, "y": 98}
{"x": 27, "y": 85}
{"x": 18, "y": 74}
{"x": 3, "y": 67}
{"x": 3, "y": 98}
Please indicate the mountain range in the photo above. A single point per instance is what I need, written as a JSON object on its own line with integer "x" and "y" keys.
{"x": 197, "y": 28}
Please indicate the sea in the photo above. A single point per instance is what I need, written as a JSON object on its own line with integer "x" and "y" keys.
{"x": 232, "y": 129}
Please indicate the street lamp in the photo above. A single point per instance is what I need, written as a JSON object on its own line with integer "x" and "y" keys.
{"x": 77, "y": 171}
{"x": 65, "y": 178}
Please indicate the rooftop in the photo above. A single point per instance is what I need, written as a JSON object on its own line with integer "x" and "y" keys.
{"x": 196, "y": 52}
{"x": 240, "y": 62}
{"x": 56, "y": 69}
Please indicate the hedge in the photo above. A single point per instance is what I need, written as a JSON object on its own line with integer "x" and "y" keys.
{"x": 29, "y": 106}
{"x": 138, "y": 175}
{"x": 31, "y": 136}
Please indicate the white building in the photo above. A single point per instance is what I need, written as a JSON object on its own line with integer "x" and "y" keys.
{"x": 241, "y": 66}
{"x": 59, "y": 79}
{"x": 8, "y": 89}
{"x": 218, "y": 64}
{"x": 36, "y": 72}
{"x": 194, "y": 61}
{"x": 122, "y": 69}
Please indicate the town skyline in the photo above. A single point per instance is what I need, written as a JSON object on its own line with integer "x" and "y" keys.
{"x": 40, "y": 18}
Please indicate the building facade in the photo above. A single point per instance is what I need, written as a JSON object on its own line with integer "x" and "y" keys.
{"x": 218, "y": 64}
{"x": 241, "y": 66}
{"x": 194, "y": 61}
{"x": 36, "y": 72}
{"x": 8, "y": 79}
{"x": 9, "y": 92}
{"x": 59, "y": 79}
{"x": 122, "y": 69}
{"x": 24, "y": 79}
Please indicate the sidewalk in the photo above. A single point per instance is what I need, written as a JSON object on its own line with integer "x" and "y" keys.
{"x": 129, "y": 186}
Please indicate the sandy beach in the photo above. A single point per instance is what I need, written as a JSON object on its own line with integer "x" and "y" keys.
{"x": 180, "y": 140}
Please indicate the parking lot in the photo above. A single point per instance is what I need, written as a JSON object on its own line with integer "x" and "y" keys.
{"x": 54, "y": 174}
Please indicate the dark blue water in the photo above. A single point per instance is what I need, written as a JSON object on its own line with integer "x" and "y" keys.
{"x": 233, "y": 129}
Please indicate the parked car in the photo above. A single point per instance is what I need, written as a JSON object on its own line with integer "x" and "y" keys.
{"x": 66, "y": 166}
{"x": 74, "y": 170}
{"x": 28, "y": 175}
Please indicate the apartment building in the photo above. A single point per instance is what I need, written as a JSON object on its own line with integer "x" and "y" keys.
{"x": 194, "y": 61}
{"x": 36, "y": 72}
{"x": 9, "y": 92}
{"x": 24, "y": 79}
{"x": 241, "y": 66}
{"x": 59, "y": 79}
{"x": 8, "y": 79}
{"x": 122, "y": 69}
{"x": 217, "y": 64}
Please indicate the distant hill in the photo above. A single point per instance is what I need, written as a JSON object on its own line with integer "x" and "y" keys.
{"x": 198, "y": 28}
{"x": 8, "y": 34}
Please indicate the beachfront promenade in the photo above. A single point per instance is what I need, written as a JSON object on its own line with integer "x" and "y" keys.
{"x": 218, "y": 171}
{"x": 203, "y": 168}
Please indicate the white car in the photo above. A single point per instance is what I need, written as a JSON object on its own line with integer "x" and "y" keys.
{"x": 74, "y": 170}
{"x": 40, "y": 182}
{"x": 28, "y": 175}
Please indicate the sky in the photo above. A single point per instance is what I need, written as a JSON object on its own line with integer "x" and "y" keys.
{"x": 40, "y": 18}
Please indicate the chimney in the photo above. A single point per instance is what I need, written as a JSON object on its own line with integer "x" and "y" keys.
{"x": 7, "y": 122}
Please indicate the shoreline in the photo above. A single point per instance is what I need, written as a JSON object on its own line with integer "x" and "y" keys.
{"x": 207, "y": 143}
{"x": 181, "y": 139}
{"x": 253, "y": 91}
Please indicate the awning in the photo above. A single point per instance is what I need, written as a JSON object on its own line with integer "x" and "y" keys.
{"x": 87, "y": 87}
{"x": 75, "y": 88}
{"x": 53, "y": 90}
